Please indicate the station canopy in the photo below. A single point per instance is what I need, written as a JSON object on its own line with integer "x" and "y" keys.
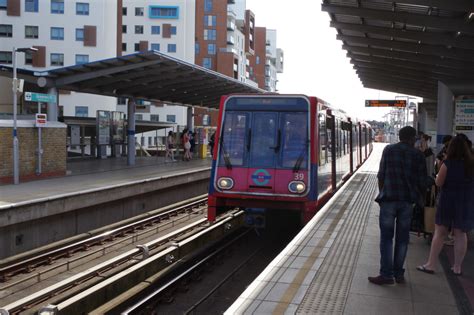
{"x": 408, "y": 46}
{"x": 147, "y": 75}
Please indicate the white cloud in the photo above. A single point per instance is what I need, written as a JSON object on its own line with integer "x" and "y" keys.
{"x": 315, "y": 63}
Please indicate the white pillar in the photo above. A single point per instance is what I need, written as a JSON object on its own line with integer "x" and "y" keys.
{"x": 445, "y": 112}
{"x": 131, "y": 132}
{"x": 53, "y": 107}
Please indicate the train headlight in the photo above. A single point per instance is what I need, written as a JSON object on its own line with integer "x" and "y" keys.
{"x": 297, "y": 187}
{"x": 225, "y": 183}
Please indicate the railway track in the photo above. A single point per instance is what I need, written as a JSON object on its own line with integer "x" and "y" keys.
{"x": 143, "y": 260}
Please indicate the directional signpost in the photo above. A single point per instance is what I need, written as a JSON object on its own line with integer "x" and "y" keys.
{"x": 40, "y": 97}
{"x": 40, "y": 119}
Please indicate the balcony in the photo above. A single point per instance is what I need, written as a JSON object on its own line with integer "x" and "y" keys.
{"x": 230, "y": 1}
{"x": 230, "y": 40}
{"x": 230, "y": 26}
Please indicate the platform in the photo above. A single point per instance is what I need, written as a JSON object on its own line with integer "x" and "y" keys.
{"x": 324, "y": 269}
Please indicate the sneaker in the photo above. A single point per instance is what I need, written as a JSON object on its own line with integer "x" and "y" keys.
{"x": 400, "y": 280}
{"x": 381, "y": 280}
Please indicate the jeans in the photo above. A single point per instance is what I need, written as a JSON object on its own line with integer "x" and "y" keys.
{"x": 391, "y": 261}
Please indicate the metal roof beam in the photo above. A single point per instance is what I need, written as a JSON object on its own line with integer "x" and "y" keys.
{"x": 453, "y": 5}
{"x": 409, "y": 65}
{"x": 443, "y": 23}
{"x": 98, "y": 73}
{"x": 415, "y": 82}
{"x": 404, "y": 74}
{"x": 424, "y": 37}
{"x": 460, "y": 54}
{"x": 374, "y": 84}
{"x": 418, "y": 58}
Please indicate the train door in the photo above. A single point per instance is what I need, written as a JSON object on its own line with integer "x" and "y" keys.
{"x": 264, "y": 144}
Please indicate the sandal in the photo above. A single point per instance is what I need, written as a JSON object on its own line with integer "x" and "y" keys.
{"x": 422, "y": 268}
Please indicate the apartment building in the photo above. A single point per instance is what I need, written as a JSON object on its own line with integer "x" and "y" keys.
{"x": 65, "y": 33}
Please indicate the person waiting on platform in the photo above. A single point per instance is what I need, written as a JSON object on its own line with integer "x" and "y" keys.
{"x": 454, "y": 209}
{"x": 186, "y": 145}
{"x": 402, "y": 182}
{"x": 169, "y": 146}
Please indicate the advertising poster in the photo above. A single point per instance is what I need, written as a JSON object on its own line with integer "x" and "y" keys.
{"x": 103, "y": 127}
{"x": 118, "y": 127}
{"x": 75, "y": 135}
{"x": 464, "y": 118}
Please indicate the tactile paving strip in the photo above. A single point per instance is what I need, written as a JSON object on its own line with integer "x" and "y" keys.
{"x": 329, "y": 289}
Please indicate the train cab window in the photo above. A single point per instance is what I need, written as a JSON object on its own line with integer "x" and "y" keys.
{"x": 264, "y": 139}
{"x": 232, "y": 141}
{"x": 294, "y": 138}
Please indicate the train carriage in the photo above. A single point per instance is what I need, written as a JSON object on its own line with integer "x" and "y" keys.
{"x": 277, "y": 153}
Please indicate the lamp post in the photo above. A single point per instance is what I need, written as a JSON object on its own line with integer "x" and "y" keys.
{"x": 16, "y": 160}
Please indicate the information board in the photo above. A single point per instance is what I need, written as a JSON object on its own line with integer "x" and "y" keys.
{"x": 464, "y": 118}
{"x": 385, "y": 103}
{"x": 103, "y": 127}
{"x": 118, "y": 127}
{"x": 40, "y": 120}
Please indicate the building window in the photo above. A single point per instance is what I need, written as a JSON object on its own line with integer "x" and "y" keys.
{"x": 211, "y": 49}
{"x": 163, "y": 12}
{"x": 210, "y": 20}
{"x": 173, "y": 30}
{"x": 124, "y": 11}
{"x": 171, "y": 48}
{"x": 154, "y": 117}
{"x": 82, "y": 111}
{"x": 3, "y": 4}
{"x": 31, "y": 5}
{"x": 138, "y": 11}
{"x": 124, "y": 29}
{"x": 210, "y": 34}
{"x": 57, "y": 59}
{"x": 138, "y": 29}
{"x": 124, "y": 46}
{"x": 206, "y": 120}
{"x": 31, "y": 31}
{"x": 196, "y": 48}
{"x": 257, "y": 60}
{"x": 6, "y": 57}
{"x": 57, "y": 33}
{"x": 207, "y": 63}
{"x": 139, "y": 117}
{"x": 28, "y": 58}
{"x": 121, "y": 101}
{"x": 155, "y": 29}
{"x": 80, "y": 59}
{"x": 82, "y": 8}
{"x": 79, "y": 34}
{"x": 171, "y": 118}
{"x": 6, "y": 30}
{"x": 155, "y": 47}
{"x": 207, "y": 5}
{"x": 57, "y": 6}
{"x": 149, "y": 141}
{"x": 137, "y": 47}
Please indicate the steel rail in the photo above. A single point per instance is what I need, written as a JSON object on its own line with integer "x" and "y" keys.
{"x": 95, "y": 271}
{"x": 47, "y": 258}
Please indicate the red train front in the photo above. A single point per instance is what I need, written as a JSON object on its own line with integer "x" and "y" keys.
{"x": 266, "y": 156}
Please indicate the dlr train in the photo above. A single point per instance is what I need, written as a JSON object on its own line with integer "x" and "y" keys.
{"x": 282, "y": 153}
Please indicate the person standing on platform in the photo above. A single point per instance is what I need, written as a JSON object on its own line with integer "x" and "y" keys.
{"x": 402, "y": 181}
{"x": 454, "y": 209}
{"x": 170, "y": 147}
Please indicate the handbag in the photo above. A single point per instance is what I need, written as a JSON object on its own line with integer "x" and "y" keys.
{"x": 430, "y": 211}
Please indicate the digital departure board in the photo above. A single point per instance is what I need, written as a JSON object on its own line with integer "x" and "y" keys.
{"x": 385, "y": 103}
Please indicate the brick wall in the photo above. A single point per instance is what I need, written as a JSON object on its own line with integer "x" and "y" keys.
{"x": 53, "y": 159}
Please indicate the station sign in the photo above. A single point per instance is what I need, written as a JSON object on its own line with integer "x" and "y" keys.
{"x": 41, "y": 120}
{"x": 40, "y": 97}
{"x": 386, "y": 103}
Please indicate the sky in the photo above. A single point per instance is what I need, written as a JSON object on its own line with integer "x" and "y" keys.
{"x": 314, "y": 62}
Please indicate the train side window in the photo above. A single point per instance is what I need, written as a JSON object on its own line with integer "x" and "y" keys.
{"x": 323, "y": 141}
{"x": 329, "y": 144}
{"x": 234, "y": 138}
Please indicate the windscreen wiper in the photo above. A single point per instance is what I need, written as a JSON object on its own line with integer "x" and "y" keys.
{"x": 300, "y": 159}
{"x": 225, "y": 155}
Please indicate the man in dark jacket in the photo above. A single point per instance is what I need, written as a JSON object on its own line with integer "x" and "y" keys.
{"x": 402, "y": 182}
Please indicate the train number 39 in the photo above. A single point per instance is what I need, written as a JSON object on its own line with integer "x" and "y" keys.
{"x": 299, "y": 176}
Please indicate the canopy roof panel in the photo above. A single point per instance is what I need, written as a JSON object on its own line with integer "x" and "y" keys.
{"x": 407, "y": 46}
{"x": 147, "y": 75}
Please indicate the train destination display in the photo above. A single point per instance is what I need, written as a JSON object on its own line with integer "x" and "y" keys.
{"x": 385, "y": 103}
